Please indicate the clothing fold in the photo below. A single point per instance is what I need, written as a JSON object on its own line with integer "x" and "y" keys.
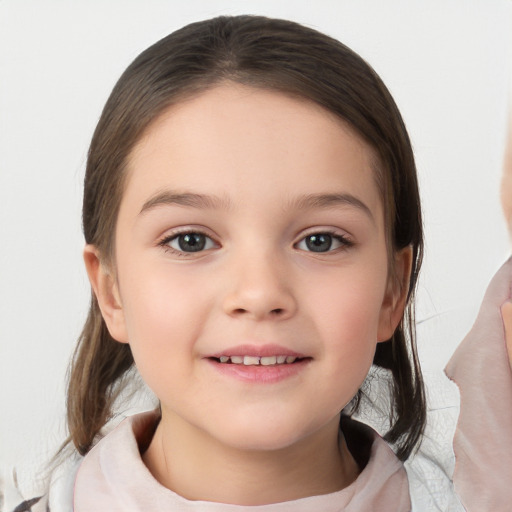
{"x": 483, "y": 439}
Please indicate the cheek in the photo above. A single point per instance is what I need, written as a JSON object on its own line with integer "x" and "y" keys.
{"x": 348, "y": 311}
{"x": 156, "y": 295}
{"x": 161, "y": 315}
{"x": 351, "y": 305}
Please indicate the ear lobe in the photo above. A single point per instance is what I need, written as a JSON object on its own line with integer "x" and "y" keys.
{"x": 396, "y": 295}
{"x": 105, "y": 289}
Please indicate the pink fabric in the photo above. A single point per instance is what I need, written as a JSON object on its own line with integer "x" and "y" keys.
{"x": 113, "y": 477}
{"x": 483, "y": 440}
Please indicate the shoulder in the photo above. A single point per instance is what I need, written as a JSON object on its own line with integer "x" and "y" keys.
{"x": 23, "y": 489}
{"x": 430, "y": 469}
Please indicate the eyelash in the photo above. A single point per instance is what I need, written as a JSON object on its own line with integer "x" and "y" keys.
{"x": 164, "y": 242}
{"x": 344, "y": 241}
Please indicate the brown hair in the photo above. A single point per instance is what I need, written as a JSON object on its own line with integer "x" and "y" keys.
{"x": 272, "y": 54}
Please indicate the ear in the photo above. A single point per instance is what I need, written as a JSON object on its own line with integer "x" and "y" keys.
{"x": 106, "y": 290}
{"x": 395, "y": 298}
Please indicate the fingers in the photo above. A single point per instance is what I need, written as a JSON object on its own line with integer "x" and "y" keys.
{"x": 506, "y": 313}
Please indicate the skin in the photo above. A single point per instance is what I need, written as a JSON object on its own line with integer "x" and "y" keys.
{"x": 506, "y": 182}
{"x": 506, "y": 201}
{"x": 257, "y": 282}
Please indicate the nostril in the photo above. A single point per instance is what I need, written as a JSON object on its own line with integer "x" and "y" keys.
{"x": 241, "y": 311}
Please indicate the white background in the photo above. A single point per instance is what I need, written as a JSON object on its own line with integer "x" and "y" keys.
{"x": 446, "y": 62}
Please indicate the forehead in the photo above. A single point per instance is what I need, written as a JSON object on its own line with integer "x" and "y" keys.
{"x": 233, "y": 138}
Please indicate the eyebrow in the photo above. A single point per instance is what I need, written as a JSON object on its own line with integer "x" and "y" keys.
{"x": 310, "y": 201}
{"x": 193, "y": 200}
{"x": 205, "y": 202}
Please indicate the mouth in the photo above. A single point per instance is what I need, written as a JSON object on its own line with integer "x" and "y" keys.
{"x": 263, "y": 364}
{"x": 259, "y": 360}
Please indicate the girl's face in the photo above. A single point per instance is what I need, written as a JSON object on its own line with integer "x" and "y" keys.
{"x": 251, "y": 231}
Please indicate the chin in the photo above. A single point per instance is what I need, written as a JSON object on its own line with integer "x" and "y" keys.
{"x": 263, "y": 442}
{"x": 265, "y": 436}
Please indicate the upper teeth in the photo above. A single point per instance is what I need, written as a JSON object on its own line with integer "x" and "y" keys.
{"x": 255, "y": 360}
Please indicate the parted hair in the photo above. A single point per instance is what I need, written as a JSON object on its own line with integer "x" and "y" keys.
{"x": 264, "y": 53}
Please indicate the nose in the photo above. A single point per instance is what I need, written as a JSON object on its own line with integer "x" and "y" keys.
{"x": 259, "y": 289}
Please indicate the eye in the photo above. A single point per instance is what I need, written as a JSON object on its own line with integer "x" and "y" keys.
{"x": 323, "y": 242}
{"x": 191, "y": 241}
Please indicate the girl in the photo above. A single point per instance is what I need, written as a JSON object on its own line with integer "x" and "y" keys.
{"x": 253, "y": 240}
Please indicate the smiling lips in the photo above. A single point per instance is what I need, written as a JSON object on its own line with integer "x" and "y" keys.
{"x": 256, "y": 354}
{"x": 258, "y": 361}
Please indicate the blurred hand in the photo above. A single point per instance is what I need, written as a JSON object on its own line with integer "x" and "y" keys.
{"x": 506, "y": 312}
{"x": 506, "y": 183}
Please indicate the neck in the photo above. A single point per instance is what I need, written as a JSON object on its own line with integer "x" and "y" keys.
{"x": 197, "y": 467}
